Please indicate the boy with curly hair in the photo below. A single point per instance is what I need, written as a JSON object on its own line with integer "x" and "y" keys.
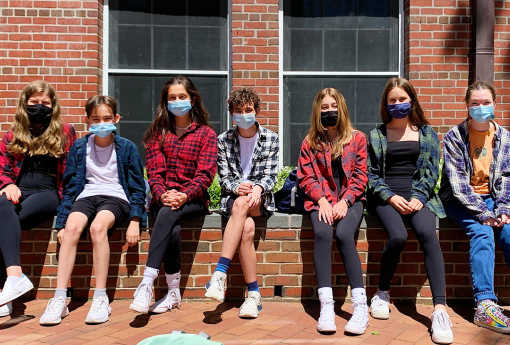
{"x": 247, "y": 171}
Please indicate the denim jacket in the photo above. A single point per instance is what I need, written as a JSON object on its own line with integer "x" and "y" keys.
{"x": 130, "y": 168}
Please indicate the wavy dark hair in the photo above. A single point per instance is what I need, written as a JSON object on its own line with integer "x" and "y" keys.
{"x": 416, "y": 115}
{"x": 164, "y": 120}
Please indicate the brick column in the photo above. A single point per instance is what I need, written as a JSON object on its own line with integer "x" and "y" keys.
{"x": 255, "y": 53}
{"x": 58, "y": 41}
{"x": 437, "y": 47}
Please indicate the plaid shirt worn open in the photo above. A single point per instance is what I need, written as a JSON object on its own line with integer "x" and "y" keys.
{"x": 458, "y": 169}
{"x": 264, "y": 168}
{"x": 186, "y": 164}
{"x": 11, "y": 164}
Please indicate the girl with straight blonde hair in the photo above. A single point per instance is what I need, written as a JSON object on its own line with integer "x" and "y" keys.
{"x": 33, "y": 156}
{"x": 332, "y": 171}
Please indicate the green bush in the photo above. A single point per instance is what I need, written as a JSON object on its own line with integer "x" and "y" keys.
{"x": 215, "y": 189}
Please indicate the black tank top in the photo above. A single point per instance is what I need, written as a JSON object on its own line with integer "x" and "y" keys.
{"x": 338, "y": 174}
{"x": 38, "y": 173}
{"x": 401, "y": 158}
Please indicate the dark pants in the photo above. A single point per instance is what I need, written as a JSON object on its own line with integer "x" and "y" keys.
{"x": 165, "y": 241}
{"x": 34, "y": 208}
{"x": 345, "y": 229}
{"x": 423, "y": 224}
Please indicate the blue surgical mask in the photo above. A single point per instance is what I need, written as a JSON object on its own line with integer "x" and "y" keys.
{"x": 244, "y": 121}
{"x": 102, "y": 129}
{"x": 179, "y": 108}
{"x": 482, "y": 113}
{"x": 399, "y": 110}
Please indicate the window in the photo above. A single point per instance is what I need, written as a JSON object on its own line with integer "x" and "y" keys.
{"x": 351, "y": 45}
{"x": 150, "y": 41}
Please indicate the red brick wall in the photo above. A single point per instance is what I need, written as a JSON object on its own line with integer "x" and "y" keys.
{"x": 58, "y": 41}
{"x": 437, "y": 45}
{"x": 255, "y": 53}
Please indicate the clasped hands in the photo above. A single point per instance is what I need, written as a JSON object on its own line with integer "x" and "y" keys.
{"x": 403, "y": 206}
{"x": 253, "y": 193}
{"x": 173, "y": 199}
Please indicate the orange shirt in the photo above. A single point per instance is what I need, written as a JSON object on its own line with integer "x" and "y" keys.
{"x": 481, "y": 156}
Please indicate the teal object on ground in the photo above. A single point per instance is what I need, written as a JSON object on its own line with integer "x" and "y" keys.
{"x": 177, "y": 339}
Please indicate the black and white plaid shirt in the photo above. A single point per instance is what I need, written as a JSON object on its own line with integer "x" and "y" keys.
{"x": 264, "y": 165}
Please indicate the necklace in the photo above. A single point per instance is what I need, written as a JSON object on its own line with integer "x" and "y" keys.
{"x": 177, "y": 127}
{"x": 108, "y": 156}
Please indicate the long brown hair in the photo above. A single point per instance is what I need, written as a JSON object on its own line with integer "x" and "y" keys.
{"x": 164, "y": 120}
{"x": 51, "y": 140}
{"x": 416, "y": 115}
{"x": 317, "y": 135}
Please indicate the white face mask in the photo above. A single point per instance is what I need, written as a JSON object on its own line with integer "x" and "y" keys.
{"x": 244, "y": 121}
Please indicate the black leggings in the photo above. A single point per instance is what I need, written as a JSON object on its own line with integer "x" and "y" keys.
{"x": 34, "y": 208}
{"x": 423, "y": 224}
{"x": 345, "y": 229}
{"x": 165, "y": 241}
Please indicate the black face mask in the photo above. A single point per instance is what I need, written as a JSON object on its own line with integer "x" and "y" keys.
{"x": 329, "y": 118}
{"x": 39, "y": 113}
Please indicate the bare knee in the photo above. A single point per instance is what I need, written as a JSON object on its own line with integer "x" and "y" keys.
{"x": 240, "y": 207}
{"x": 72, "y": 230}
{"x": 248, "y": 231}
{"x": 98, "y": 231}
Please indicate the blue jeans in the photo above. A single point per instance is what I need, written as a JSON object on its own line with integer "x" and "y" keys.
{"x": 482, "y": 246}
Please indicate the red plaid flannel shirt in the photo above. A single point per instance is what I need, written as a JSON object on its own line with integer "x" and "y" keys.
{"x": 11, "y": 164}
{"x": 315, "y": 176}
{"x": 186, "y": 164}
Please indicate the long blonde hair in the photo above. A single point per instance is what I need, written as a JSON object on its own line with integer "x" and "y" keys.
{"x": 317, "y": 135}
{"x": 51, "y": 140}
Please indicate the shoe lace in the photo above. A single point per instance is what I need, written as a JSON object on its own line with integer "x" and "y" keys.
{"x": 442, "y": 321}
{"x": 55, "y": 305}
{"x": 360, "y": 313}
{"x": 173, "y": 297}
{"x": 220, "y": 282}
{"x": 327, "y": 311}
{"x": 146, "y": 295}
{"x": 498, "y": 311}
{"x": 97, "y": 304}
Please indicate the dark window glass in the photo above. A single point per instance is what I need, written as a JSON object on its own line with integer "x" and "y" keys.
{"x": 138, "y": 99}
{"x": 162, "y": 34}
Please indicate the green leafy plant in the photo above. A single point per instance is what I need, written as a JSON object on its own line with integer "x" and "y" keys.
{"x": 283, "y": 173}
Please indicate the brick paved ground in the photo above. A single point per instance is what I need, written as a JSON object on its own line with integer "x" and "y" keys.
{"x": 279, "y": 323}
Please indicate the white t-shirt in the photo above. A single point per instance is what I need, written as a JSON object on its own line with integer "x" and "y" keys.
{"x": 246, "y": 147}
{"x": 102, "y": 174}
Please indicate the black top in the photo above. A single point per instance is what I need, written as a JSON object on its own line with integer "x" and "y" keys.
{"x": 338, "y": 174}
{"x": 38, "y": 172}
{"x": 401, "y": 158}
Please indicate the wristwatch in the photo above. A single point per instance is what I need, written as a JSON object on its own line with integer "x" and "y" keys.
{"x": 349, "y": 204}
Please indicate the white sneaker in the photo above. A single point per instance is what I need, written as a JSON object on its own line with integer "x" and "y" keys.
{"x": 99, "y": 310}
{"x": 55, "y": 311}
{"x": 252, "y": 306}
{"x": 359, "y": 320}
{"x": 6, "y": 309}
{"x": 171, "y": 300}
{"x": 12, "y": 291}
{"x": 142, "y": 298}
{"x": 217, "y": 286}
{"x": 380, "y": 305}
{"x": 327, "y": 318}
{"x": 441, "y": 327}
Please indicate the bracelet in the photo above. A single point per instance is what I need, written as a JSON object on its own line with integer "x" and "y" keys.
{"x": 348, "y": 202}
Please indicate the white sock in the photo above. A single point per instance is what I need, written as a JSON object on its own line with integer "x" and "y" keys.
{"x": 325, "y": 293}
{"x": 359, "y": 296}
{"x": 149, "y": 275}
{"x": 14, "y": 279}
{"x": 99, "y": 292}
{"x": 60, "y": 293}
{"x": 173, "y": 280}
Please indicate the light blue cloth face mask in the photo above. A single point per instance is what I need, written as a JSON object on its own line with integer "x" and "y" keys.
{"x": 244, "y": 121}
{"x": 102, "y": 129}
{"x": 482, "y": 113}
{"x": 179, "y": 108}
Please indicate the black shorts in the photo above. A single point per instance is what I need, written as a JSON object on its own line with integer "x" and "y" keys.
{"x": 90, "y": 206}
{"x": 232, "y": 199}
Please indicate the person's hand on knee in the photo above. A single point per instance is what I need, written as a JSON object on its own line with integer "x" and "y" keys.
{"x": 60, "y": 235}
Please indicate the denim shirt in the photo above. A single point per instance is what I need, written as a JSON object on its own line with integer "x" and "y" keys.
{"x": 130, "y": 169}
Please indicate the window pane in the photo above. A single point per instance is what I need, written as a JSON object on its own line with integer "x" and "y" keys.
{"x": 362, "y": 96}
{"x": 170, "y": 48}
{"x": 134, "y": 55}
{"x": 372, "y": 55}
{"x": 138, "y": 99}
{"x": 205, "y": 47}
{"x": 166, "y": 13}
{"x": 207, "y": 12}
{"x": 130, "y": 11}
{"x": 339, "y": 14}
{"x": 340, "y": 50}
{"x": 306, "y": 50}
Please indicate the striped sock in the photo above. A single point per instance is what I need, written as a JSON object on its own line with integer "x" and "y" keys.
{"x": 223, "y": 264}
{"x": 253, "y": 286}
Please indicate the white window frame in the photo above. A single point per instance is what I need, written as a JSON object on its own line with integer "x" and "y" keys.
{"x": 282, "y": 73}
{"x": 107, "y": 72}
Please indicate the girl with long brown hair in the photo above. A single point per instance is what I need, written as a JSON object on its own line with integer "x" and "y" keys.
{"x": 181, "y": 164}
{"x": 33, "y": 156}
{"x": 332, "y": 171}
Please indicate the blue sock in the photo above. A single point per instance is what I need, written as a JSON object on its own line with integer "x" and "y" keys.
{"x": 223, "y": 264}
{"x": 253, "y": 286}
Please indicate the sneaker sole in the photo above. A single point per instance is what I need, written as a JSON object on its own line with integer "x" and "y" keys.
{"x": 355, "y": 330}
{"x": 163, "y": 310}
{"x": 326, "y": 329}
{"x": 26, "y": 287}
{"x": 138, "y": 309}
{"x": 249, "y": 315}
{"x": 56, "y": 322}
{"x": 380, "y": 315}
{"x": 439, "y": 340}
{"x": 95, "y": 322}
{"x": 495, "y": 329}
